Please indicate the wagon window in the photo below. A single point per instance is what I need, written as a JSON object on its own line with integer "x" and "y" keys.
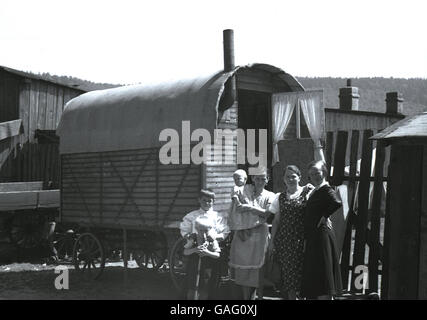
{"x": 291, "y": 130}
{"x": 303, "y": 128}
{"x": 297, "y": 127}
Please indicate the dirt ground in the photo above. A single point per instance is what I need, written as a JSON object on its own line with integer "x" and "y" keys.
{"x": 31, "y": 278}
{"x": 30, "y": 285}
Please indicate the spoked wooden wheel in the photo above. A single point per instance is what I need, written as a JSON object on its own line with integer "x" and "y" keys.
{"x": 88, "y": 256}
{"x": 26, "y": 230}
{"x": 153, "y": 253}
{"x": 178, "y": 264}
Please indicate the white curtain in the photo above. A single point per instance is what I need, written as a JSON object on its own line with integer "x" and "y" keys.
{"x": 283, "y": 108}
{"x": 314, "y": 118}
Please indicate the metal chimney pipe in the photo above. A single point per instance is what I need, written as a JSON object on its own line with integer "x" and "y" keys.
{"x": 228, "y": 39}
{"x": 230, "y": 92}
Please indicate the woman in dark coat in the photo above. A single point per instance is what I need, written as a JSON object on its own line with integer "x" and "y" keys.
{"x": 321, "y": 272}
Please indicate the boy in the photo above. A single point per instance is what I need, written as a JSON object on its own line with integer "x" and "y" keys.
{"x": 203, "y": 228}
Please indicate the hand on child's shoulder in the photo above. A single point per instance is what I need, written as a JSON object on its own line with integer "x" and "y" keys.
{"x": 309, "y": 187}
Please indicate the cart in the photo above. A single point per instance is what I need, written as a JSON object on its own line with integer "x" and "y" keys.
{"x": 28, "y": 212}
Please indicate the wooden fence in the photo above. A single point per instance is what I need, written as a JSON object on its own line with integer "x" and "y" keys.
{"x": 354, "y": 164}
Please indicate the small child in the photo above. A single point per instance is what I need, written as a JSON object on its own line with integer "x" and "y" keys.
{"x": 239, "y": 220}
{"x": 237, "y": 196}
{"x": 203, "y": 228}
{"x": 203, "y": 239}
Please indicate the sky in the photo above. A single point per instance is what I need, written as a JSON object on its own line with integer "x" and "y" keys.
{"x": 127, "y": 41}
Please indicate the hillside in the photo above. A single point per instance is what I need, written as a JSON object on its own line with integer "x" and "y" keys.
{"x": 372, "y": 92}
{"x": 76, "y": 82}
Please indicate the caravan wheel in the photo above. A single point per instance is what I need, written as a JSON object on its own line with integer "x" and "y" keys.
{"x": 88, "y": 256}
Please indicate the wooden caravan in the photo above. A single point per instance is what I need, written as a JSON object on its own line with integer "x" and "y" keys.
{"x": 111, "y": 176}
{"x": 111, "y": 173}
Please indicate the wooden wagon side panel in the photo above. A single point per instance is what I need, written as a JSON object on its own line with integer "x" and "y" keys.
{"x": 219, "y": 178}
{"x": 127, "y": 189}
{"x": 218, "y": 172}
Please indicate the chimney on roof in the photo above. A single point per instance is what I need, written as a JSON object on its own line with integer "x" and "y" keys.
{"x": 228, "y": 39}
{"x": 349, "y": 97}
{"x": 230, "y": 96}
{"x": 394, "y": 103}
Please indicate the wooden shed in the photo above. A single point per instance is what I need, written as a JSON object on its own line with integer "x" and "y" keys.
{"x": 30, "y": 109}
{"x": 405, "y": 252}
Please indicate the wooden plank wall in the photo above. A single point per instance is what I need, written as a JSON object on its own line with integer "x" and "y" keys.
{"x": 343, "y": 120}
{"x": 127, "y": 188}
{"x": 39, "y": 104}
{"x": 363, "y": 237}
{"x": 219, "y": 176}
{"x": 422, "y": 288}
{"x": 403, "y": 227}
{"x": 9, "y": 96}
{"x": 261, "y": 81}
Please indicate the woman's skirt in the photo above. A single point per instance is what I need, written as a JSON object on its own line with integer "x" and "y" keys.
{"x": 247, "y": 256}
{"x": 321, "y": 271}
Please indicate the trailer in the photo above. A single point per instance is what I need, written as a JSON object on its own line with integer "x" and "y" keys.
{"x": 28, "y": 212}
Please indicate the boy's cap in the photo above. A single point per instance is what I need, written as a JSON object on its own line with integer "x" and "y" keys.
{"x": 207, "y": 193}
{"x": 240, "y": 172}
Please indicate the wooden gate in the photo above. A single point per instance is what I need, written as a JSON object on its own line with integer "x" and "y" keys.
{"x": 361, "y": 164}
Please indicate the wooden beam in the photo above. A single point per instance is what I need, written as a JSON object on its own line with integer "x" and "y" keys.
{"x": 20, "y": 200}
{"x": 339, "y": 158}
{"x": 345, "y": 258}
{"x": 363, "y": 201}
{"x": 374, "y": 249}
{"x": 21, "y": 186}
{"x": 10, "y": 129}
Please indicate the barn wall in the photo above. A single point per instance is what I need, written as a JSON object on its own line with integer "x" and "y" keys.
{"x": 9, "y": 96}
{"x": 337, "y": 120}
{"x": 422, "y": 285}
{"x": 39, "y": 104}
{"x": 127, "y": 188}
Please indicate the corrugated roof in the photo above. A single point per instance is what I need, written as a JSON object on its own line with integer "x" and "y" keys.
{"x": 414, "y": 126}
{"x": 132, "y": 117}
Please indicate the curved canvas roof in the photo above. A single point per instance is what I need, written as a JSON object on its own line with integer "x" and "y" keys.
{"x": 132, "y": 117}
